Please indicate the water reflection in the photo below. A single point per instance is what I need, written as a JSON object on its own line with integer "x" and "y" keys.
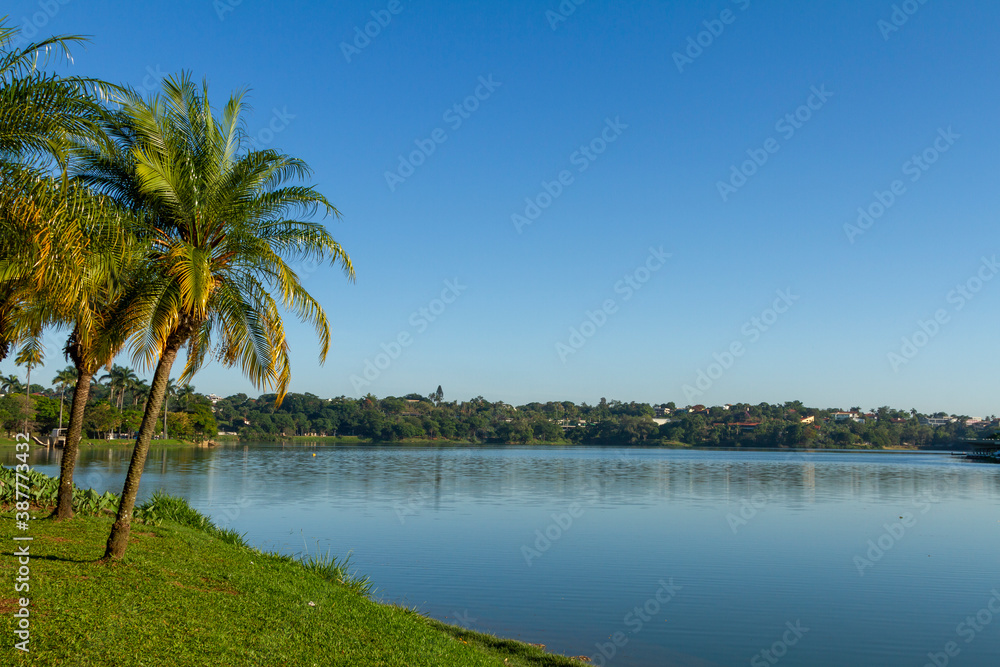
{"x": 756, "y": 540}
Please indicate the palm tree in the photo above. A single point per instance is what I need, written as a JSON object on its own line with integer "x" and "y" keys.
{"x": 140, "y": 392}
{"x": 97, "y": 337}
{"x": 63, "y": 379}
{"x": 185, "y": 395}
{"x": 40, "y": 115}
{"x": 30, "y": 355}
{"x": 11, "y": 384}
{"x": 54, "y": 262}
{"x": 221, "y": 230}
{"x": 108, "y": 381}
{"x": 121, "y": 378}
{"x": 131, "y": 383}
{"x": 42, "y": 110}
{"x": 169, "y": 390}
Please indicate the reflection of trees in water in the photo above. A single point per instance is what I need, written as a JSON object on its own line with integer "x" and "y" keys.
{"x": 434, "y": 475}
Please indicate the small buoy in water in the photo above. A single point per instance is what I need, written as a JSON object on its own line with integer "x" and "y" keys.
{"x": 314, "y": 453}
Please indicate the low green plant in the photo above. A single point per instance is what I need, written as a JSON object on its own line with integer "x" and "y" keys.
{"x": 338, "y": 571}
{"x": 43, "y": 491}
{"x": 164, "y": 507}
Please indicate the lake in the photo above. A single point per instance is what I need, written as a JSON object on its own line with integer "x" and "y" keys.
{"x": 632, "y": 556}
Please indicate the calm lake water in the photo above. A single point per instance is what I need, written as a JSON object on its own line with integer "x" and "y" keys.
{"x": 633, "y": 556}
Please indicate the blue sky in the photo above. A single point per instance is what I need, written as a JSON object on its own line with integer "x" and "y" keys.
{"x": 642, "y": 138}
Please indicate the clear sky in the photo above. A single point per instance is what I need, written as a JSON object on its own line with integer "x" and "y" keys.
{"x": 617, "y": 133}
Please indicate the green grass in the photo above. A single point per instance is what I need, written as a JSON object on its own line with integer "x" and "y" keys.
{"x": 189, "y": 593}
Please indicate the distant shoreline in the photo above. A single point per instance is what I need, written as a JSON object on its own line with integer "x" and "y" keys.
{"x": 355, "y": 441}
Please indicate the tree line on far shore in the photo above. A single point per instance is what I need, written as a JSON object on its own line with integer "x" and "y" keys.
{"x": 416, "y": 417}
{"x": 116, "y": 399}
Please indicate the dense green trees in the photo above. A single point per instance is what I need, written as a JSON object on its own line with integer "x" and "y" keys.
{"x": 611, "y": 423}
{"x": 392, "y": 419}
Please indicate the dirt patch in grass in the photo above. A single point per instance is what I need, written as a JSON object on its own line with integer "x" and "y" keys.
{"x": 219, "y": 587}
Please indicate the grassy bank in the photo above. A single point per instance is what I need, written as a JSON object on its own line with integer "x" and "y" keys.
{"x": 196, "y": 596}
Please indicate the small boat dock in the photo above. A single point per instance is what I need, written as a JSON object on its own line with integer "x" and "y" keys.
{"x": 985, "y": 451}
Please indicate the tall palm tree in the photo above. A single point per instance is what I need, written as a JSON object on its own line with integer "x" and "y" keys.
{"x": 131, "y": 382}
{"x": 221, "y": 229}
{"x": 168, "y": 392}
{"x": 140, "y": 392}
{"x": 54, "y": 267}
{"x": 29, "y": 356}
{"x": 121, "y": 378}
{"x": 64, "y": 378}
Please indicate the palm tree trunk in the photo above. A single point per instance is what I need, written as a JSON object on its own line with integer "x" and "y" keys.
{"x": 62, "y": 395}
{"x": 118, "y": 540}
{"x": 27, "y": 393}
{"x": 71, "y": 448}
